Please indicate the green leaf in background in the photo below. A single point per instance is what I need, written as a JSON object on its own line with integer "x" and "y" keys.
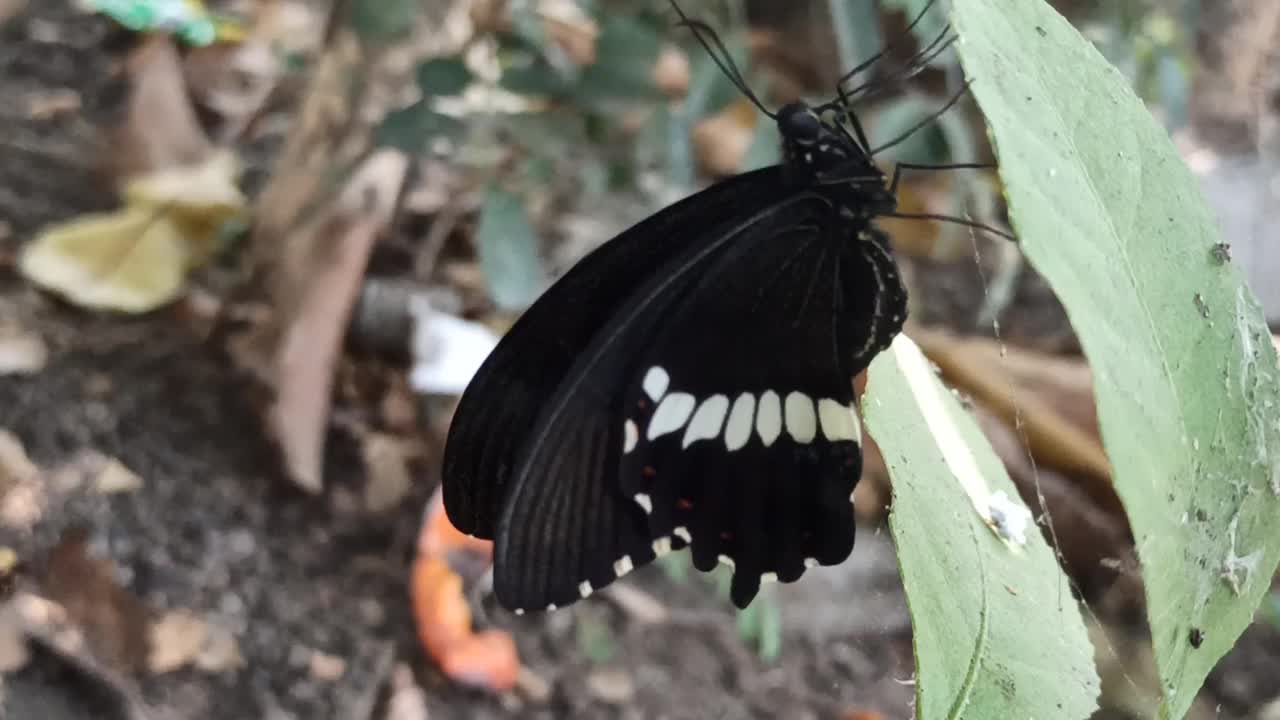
{"x": 412, "y": 129}
{"x": 383, "y": 20}
{"x": 927, "y": 145}
{"x": 996, "y": 631}
{"x": 931, "y": 25}
{"x": 443, "y": 76}
{"x": 534, "y": 78}
{"x": 765, "y": 148}
{"x": 857, "y": 29}
{"x": 508, "y": 250}
{"x": 1185, "y": 373}
{"x": 626, "y": 53}
{"x": 760, "y": 624}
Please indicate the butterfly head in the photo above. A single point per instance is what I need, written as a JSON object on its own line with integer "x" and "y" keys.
{"x": 822, "y": 153}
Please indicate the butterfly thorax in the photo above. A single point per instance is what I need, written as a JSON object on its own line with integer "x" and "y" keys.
{"x": 822, "y": 156}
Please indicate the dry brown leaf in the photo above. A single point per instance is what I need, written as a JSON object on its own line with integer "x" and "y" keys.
{"x": 326, "y": 667}
{"x": 721, "y": 141}
{"x": 408, "y": 701}
{"x": 114, "y": 621}
{"x": 160, "y": 128}
{"x": 137, "y": 258}
{"x": 49, "y": 104}
{"x": 221, "y": 651}
{"x": 113, "y": 477}
{"x": 21, "y": 352}
{"x": 322, "y": 272}
{"x": 611, "y": 685}
{"x": 918, "y": 193}
{"x": 22, "y": 490}
{"x": 671, "y": 72}
{"x": 177, "y": 639}
{"x": 640, "y": 606}
{"x": 233, "y": 80}
{"x": 14, "y": 652}
{"x": 575, "y": 33}
{"x": 386, "y": 461}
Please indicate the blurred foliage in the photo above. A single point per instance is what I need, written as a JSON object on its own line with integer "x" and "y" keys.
{"x": 1152, "y": 42}
{"x": 561, "y": 101}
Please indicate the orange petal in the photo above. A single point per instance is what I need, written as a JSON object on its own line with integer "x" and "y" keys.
{"x": 438, "y": 536}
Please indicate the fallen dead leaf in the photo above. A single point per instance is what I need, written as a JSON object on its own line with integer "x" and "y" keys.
{"x": 398, "y": 407}
{"x": 136, "y": 259}
{"x": 113, "y": 621}
{"x": 177, "y": 639}
{"x": 160, "y": 128}
{"x": 408, "y": 701}
{"x": 639, "y": 605}
{"x": 721, "y": 141}
{"x": 611, "y": 685}
{"x": 574, "y": 31}
{"x": 221, "y": 651}
{"x": 22, "y": 353}
{"x": 22, "y": 491}
{"x": 114, "y": 478}
{"x": 233, "y": 80}
{"x": 533, "y": 686}
{"x": 14, "y": 652}
{"x": 326, "y": 667}
{"x": 49, "y": 104}
{"x": 318, "y": 282}
{"x": 388, "y": 480}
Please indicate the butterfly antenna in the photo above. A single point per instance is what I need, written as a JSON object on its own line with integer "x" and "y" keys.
{"x": 876, "y": 58}
{"x": 933, "y": 116}
{"x": 720, "y": 55}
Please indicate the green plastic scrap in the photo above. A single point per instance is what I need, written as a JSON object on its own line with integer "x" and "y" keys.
{"x": 190, "y": 20}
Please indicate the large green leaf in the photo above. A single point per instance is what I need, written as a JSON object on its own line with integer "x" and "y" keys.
{"x": 1186, "y": 376}
{"x": 996, "y": 631}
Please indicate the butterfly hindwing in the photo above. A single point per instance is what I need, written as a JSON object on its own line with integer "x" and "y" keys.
{"x": 518, "y": 378}
{"x": 566, "y": 521}
{"x": 740, "y": 430}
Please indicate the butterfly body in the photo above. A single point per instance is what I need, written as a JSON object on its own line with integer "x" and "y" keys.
{"x": 689, "y": 384}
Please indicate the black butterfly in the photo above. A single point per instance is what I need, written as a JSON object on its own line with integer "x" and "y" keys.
{"x": 689, "y": 383}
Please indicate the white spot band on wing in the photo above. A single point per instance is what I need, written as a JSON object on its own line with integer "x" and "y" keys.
{"x": 655, "y": 383}
{"x": 802, "y": 424}
{"x": 839, "y": 422}
{"x": 672, "y": 413}
{"x": 769, "y": 417}
{"x": 708, "y": 420}
{"x": 737, "y": 431}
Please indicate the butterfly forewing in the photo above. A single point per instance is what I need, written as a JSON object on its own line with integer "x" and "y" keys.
{"x": 519, "y": 378}
{"x": 566, "y": 519}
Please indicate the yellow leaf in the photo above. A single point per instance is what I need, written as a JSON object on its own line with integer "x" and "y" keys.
{"x": 136, "y": 259}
